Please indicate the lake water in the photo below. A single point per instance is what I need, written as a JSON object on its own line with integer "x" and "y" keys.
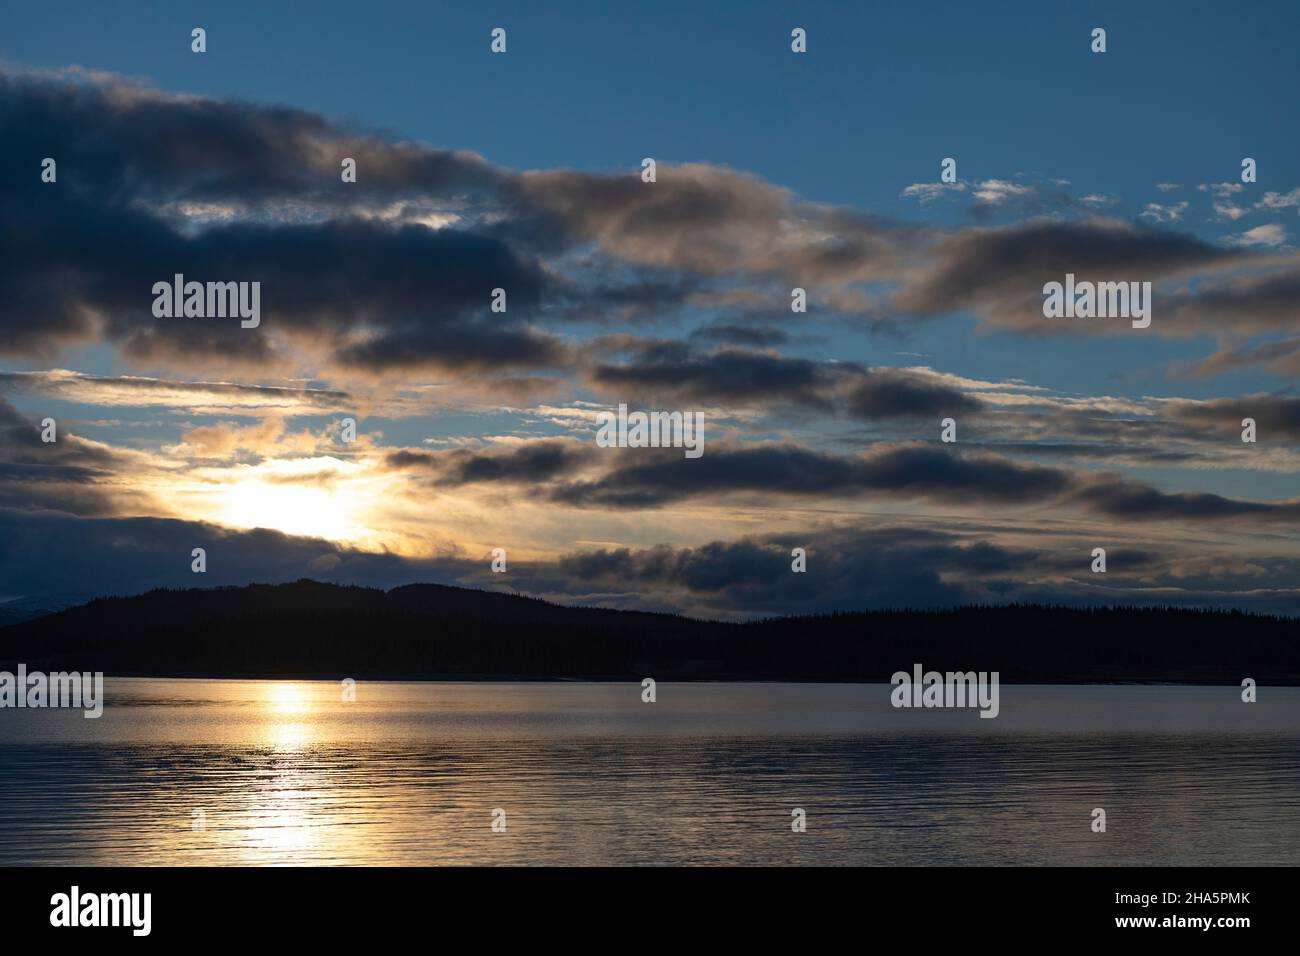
{"x": 188, "y": 772}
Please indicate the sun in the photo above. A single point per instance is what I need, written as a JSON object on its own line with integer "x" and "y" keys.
{"x": 293, "y": 509}
{"x": 344, "y": 502}
{"x": 311, "y": 497}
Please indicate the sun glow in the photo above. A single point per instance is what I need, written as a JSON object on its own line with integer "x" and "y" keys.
{"x": 288, "y": 508}
{"x": 356, "y": 503}
{"x": 312, "y": 497}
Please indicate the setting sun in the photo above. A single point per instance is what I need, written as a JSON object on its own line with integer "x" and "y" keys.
{"x": 319, "y": 497}
{"x": 288, "y": 508}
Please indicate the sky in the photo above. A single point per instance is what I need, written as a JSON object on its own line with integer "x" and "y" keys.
{"x": 775, "y": 170}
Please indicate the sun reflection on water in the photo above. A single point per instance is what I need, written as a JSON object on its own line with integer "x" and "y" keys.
{"x": 287, "y": 698}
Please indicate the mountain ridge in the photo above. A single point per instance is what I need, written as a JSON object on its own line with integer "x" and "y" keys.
{"x": 314, "y": 629}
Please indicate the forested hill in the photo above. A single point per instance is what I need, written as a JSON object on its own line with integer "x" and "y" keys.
{"x": 310, "y": 629}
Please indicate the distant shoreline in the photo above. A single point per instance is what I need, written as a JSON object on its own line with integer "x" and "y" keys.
{"x": 429, "y": 632}
{"x": 529, "y": 679}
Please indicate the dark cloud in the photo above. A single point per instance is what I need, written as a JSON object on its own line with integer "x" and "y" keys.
{"x": 895, "y": 393}
{"x": 912, "y": 470}
{"x": 1247, "y": 304}
{"x": 61, "y": 558}
{"x": 1000, "y": 271}
{"x": 532, "y": 462}
{"x": 79, "y": 257}
{"x": 670, "y": 371}
{"x": 923, "y": 471}
{"x": 62, "y": 475}
{"x": 1282, "y": 357}
{"x": 460, "y": 347}
{"x": 52, "y": 559}
{"x": 711, "y": 221}
{"x": 152, "y": 184}
{"x": 609, "y": 295}
{"x": 1276, "y": 416}
{"x": 121, "y": 143}
{"x": 1120, "y": 498}
{"x": 753, "y": 576}
{"x": 380, "y": 290}
{"x": 233, "y": 191}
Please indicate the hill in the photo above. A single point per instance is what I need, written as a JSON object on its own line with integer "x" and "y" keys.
{"x": 309, "y": 629}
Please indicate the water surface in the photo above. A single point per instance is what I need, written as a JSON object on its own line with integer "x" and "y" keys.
{"x": 188, "y": 772}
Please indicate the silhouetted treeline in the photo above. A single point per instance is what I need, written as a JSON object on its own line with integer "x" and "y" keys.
{"x": 14, "y": 615}
{"x": 427, "y": 630}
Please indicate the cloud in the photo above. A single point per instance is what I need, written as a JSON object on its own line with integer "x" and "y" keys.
{"x": 139, "y": 391}
{"x": 530, "y": 463}
{"x": 360, "y": 290}
{"x": 1130, "y": 499}
{"x": 1000, "y": 271}
{"x": 1158, "y": 213}
{"x": 906, "y": 471}
{"x": 1275, "y": 201}
{"x": 69, "y": 474}
{"x": 1277, "y": 416}
{"x": 224, "y": 440}
{"x": 996, "y": 191}
{"x": 125, "y": 142}
{"x": 378, "y": 293}
{"x": 892, "y": 393}
{"x": 728, "y": 374}
{"x": 1268, "y": 237}
{"x": 929, "y": 192}
{"x": 1247, "y": 303}
{"x": 54, "y": 557}
{"x": 853, "y": 568}
{"x": 1224, "y": 208}
{"x": 1282, "y": 357}
{"x": 669, "y": 371}
{"x": 1001, "y": 197}
{"x": 709, "y": 220}
{"x": 391, "y": 276}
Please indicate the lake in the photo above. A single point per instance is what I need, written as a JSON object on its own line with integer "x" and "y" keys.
{"x": 191, "y": 772}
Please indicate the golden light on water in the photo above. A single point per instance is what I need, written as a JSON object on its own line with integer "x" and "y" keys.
{"x": 288, "y": 710}
{"x": 287, "y": 698}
